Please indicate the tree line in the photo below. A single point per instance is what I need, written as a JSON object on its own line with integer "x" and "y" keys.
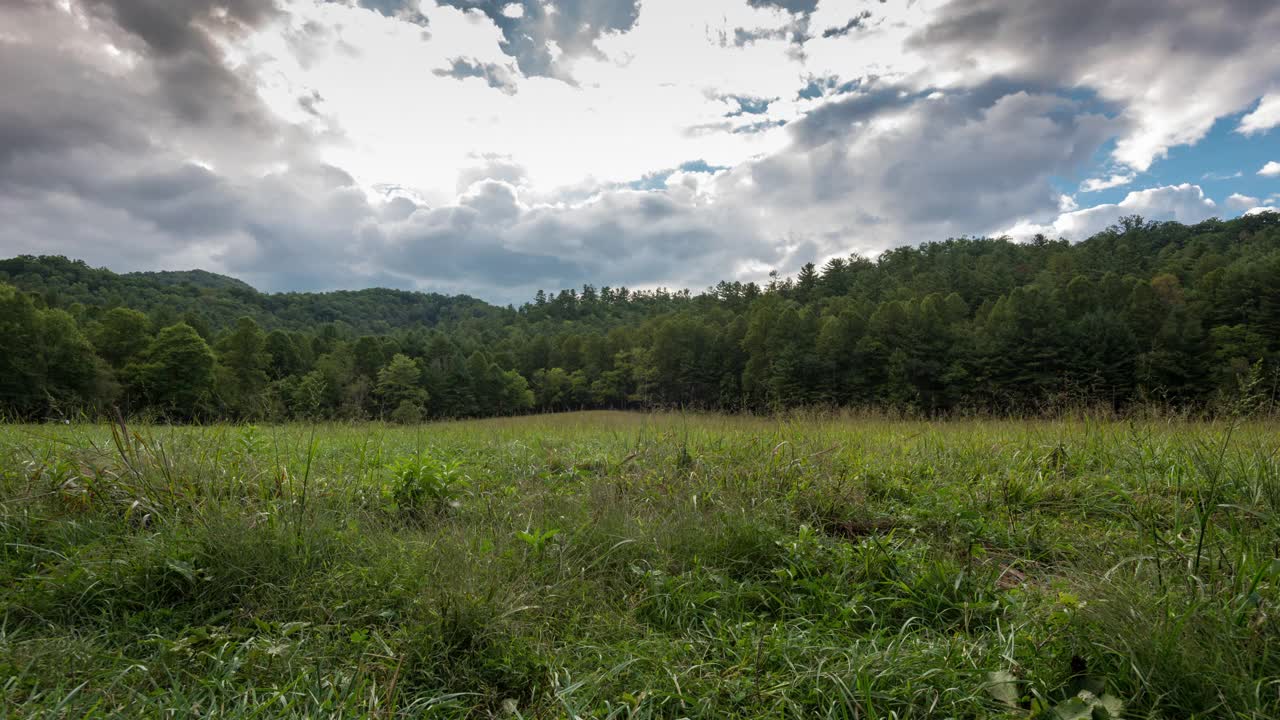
{"x": 1143, "y": 312}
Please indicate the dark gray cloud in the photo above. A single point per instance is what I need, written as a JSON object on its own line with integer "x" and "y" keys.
{"x": 855, "y": 22}
{"x": 461, "y": 242}
{"x": 573, "y": 26}
{"x": 502, "y": 249}
{"x": 63, "y": 105}
{"x": 176, "y": 27}
{"x": 180, "y": 40}
{"x": 834, "y": 120}
{"x": 496, "y": 76}
{"x": 1058, "y": 38}
{"x": 870, "y": 97}
{"x": 1148, "y": 57}
{"x": 955, "y": 162}
{"x": 795, "y": 7}
{"x": 978, "y": 164}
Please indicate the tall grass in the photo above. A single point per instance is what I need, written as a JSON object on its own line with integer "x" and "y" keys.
{"x": 642, "y": 566}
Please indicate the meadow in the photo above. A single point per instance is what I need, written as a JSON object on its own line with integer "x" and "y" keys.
{"x": 620, "y": 565}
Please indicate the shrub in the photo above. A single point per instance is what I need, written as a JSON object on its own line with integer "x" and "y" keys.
{"x": 426, "y": 484}
{"x": 407, "y": 413}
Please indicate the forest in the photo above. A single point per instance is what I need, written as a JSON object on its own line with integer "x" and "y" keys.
{"x": 1144, "y": 313}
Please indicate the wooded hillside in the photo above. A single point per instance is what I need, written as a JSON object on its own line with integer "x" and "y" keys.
{"x": 1143, "y": 312}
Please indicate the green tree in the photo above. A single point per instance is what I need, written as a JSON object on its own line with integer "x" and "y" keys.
{"x": 398, "y": 387}
{"x": 286, "y": 359}
{"x": 516, "y": 396}
{"x": 71, "y": 370}
{"x": 121, "y": 335}
{"x": 243, "y": 363}
{"x": 307, "y": 398}
{"x": 46, "y": 364}
{"x": 21, "y": 377}
{"x": 176, "y": 375}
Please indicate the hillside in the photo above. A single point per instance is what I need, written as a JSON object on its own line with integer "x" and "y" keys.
{"x": 217, "y": 301}
{"x": 1164, "y": 313}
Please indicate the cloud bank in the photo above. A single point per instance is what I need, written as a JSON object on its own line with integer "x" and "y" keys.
{"x": 495, "y": 148}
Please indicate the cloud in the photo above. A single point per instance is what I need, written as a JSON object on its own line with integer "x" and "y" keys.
{"x": 758, "y": 127}
{"x": 1236, "y": 201}
{"x": 818, "y": 87}
{"x": 490, "y": 239}
{"x": 1271, "y": 169}
{"x": 1263, "y": 118}
{"x": 795, "y": 32}
{"x": 853, "y": 24}
{"x": 1185, "y": 203}
{"x": 834, "y": 120}
{"x": 795, "y": 7}
{"x": 89, "y": 108}
{"x": 748, "y": 105}
{"x": 883, "y": 173}
{"x": 544, "y": 36}
{"x": 491, "y": 167}
{"x": 182, "y": 40}
{"x": 95, "y": 163}
{"x": 496, "y": 76}
{"x": 1223, "y": 54}
{"x": 1116, "y": 180}
{"x": 658, "y": 179}
{"x": 1222, "y": 175}
{"x": 292, "y": 146}
{"x": 407, "y": 10}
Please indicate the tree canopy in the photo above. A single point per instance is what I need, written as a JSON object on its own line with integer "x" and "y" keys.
{"x": 1143, "y": 312}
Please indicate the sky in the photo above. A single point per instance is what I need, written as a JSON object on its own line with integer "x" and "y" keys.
{"x": 497, "y": 147}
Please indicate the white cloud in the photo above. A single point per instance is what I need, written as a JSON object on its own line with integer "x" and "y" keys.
{"x": 1116, "y": 180}
{"x": 1184, "y": 203}
{"x": 1263, "y": 118}
{"x": 1237, "y": 201}
{"x": 1222, "y": 175}
{"x": 1271, "y": 169}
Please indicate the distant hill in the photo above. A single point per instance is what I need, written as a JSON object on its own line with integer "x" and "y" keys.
{"x": 198, "y": 278}
{"x": 217, "y": 301}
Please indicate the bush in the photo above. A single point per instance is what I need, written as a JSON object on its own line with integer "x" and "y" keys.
{"x": 407, "y": 413}
{"x": 426, "y": 484}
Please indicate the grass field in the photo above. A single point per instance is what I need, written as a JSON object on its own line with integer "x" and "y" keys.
{"x": 635, "y": 566}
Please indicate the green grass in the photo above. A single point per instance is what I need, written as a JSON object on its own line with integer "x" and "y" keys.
{"x": 641, "y": 566}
